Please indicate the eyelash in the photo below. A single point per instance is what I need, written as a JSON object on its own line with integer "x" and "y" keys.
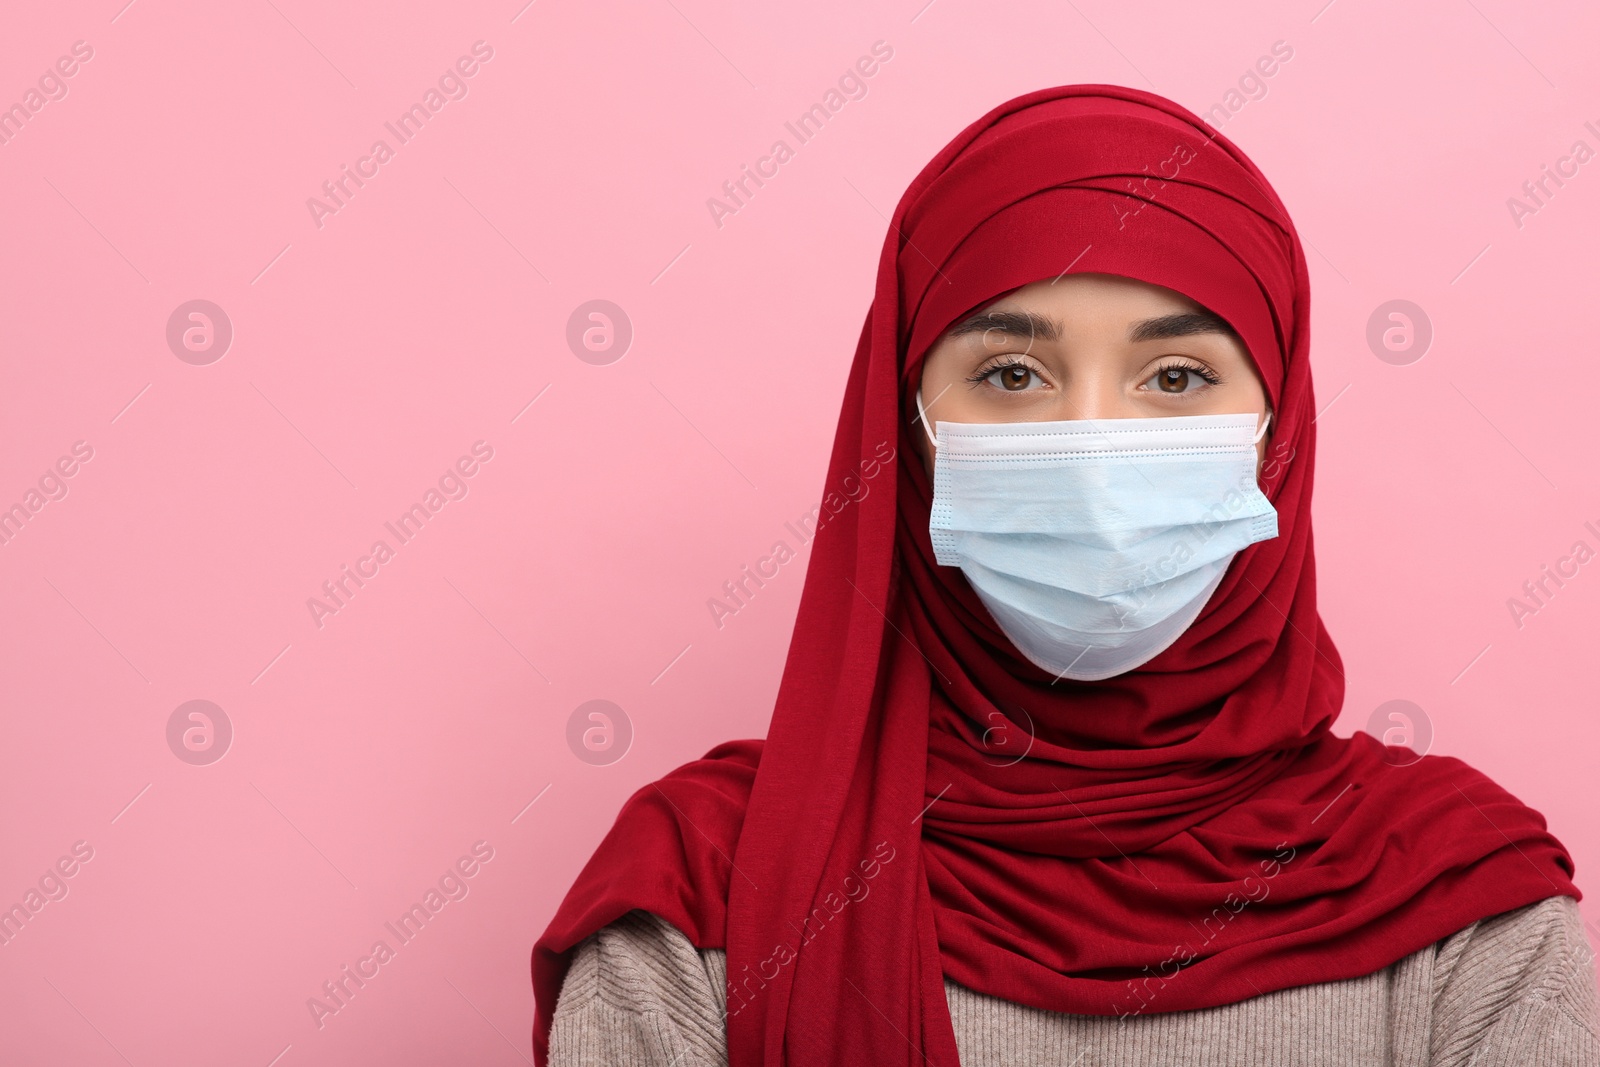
{"x": 977, "y": 376}
{"x": 1206, "y": 374}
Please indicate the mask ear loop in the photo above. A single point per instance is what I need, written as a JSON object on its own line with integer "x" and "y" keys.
{"x": 1259, "y": 433}
{"x": 922, "y": 417}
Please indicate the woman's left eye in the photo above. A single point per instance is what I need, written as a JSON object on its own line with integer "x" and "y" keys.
{"x": 1181, "y": 378}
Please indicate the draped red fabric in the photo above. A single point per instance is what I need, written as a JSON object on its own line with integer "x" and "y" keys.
{"x": 928, "y": 803}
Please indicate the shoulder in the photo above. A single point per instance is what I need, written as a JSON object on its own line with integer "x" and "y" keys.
{"x": 639, "y": 992}
{"x": 1515, "y": 984}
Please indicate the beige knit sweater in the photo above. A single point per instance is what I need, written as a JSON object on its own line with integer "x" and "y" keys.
{"x": 1516, "y": 988}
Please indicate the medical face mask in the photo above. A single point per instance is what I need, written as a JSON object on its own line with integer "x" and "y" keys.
{"x": 1094, "y": 543}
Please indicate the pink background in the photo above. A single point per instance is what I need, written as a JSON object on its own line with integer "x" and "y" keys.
{"x": 370, "y": 753}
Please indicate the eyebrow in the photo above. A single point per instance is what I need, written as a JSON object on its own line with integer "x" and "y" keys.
{"x": 1019, "y": 323}
{"x": 1178, "y": 326}
{"x": 1031, "y": 324}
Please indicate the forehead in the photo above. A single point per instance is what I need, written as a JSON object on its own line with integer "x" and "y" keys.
{"x": 1096, "y": 303}
{"x": 1083, "y": 294}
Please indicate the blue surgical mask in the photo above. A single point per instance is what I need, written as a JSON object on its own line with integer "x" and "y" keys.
{"x": 1094, "y": 543}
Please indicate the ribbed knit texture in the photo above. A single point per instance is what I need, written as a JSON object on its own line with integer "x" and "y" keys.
{"x": 1511, "y": 990}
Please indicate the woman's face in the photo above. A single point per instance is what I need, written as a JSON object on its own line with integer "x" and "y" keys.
{"x": 1087, "y": 346}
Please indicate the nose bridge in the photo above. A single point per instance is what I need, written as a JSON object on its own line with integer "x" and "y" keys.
{"x": 1094, "y": 389}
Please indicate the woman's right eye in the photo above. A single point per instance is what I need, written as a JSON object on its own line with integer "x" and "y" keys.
{"x": 1011, "y": 377}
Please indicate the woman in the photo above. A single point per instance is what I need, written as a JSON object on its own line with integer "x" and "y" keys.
{"x": 1050, "y": 776}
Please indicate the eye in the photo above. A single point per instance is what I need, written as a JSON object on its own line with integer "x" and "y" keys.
{"x": 1013, "y": 376}
{"x": 1183, "y": 376}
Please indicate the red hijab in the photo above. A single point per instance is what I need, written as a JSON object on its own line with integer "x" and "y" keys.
{"x": 928, "y": 803}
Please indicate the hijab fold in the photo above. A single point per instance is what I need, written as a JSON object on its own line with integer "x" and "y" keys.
{"x": 929, "y": 804}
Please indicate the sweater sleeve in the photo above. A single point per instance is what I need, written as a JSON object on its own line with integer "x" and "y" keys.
{"x": 1517, "y": 988}
{"x": 639, "y": 994}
